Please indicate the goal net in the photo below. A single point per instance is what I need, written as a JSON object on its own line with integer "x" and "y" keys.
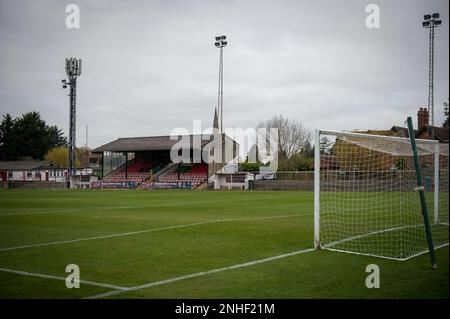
{"x": 366, "y": 199}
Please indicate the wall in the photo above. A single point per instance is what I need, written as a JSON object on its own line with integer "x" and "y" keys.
{"x": 283, "y": 185}
{"x": 37, "y": 184}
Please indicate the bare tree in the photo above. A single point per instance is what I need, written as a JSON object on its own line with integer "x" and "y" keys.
{"x": 445, "y": 124}
{"x": 292, "y": 135}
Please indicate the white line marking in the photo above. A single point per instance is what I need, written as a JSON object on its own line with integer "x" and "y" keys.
{"x": 199, "y": 274}
{"x": 330, "y": 246}
{"x": 145, "y": 231}
{"x": 385, "y": 257}
{"x": 86, "y": 282}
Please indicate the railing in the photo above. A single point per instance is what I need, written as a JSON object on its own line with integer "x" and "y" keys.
{"x": 166, "y": 169}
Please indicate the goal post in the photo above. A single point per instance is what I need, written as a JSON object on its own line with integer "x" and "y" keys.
{"x": 421, "y": 190}
{"x": 365, "y": 194}
{"x": 317, "y": 189}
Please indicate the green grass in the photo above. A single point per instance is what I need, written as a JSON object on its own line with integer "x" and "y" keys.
{"x": 388, "y": 224}
{"x": 232, "y": 235}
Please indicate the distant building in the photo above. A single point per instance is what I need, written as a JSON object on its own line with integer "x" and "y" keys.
{"x": 427, "y": 131}
{"x": 424, "y": 129}
{"x": 93, "y": 160}
{"x": 31, "y": 171}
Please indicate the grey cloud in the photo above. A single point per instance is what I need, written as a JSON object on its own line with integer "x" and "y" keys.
{"x": 150, "y": 66}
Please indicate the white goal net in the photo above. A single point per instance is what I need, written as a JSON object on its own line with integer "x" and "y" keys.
{"x": 366, "y": 199}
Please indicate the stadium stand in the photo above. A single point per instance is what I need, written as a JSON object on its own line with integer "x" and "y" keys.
{"x": 196, "y": 175}
{"x": 137, "y": 171}
{"x": 147, "y": 160}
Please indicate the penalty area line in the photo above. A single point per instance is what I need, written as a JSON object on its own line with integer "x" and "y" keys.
{"x": 200, "y": 274}
{"x": 85, "y": 282}
{"x": 70, "y": 241}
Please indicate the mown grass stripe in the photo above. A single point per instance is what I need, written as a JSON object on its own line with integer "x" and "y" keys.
{"x": 70, "y": 241}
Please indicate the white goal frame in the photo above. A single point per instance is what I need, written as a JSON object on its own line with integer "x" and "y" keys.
{"x": 317, "y": 172}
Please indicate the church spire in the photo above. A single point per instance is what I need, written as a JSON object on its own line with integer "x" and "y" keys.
{"x": 215, "y": 122}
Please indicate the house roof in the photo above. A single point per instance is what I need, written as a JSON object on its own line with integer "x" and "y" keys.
{"x": 426, "y": 132}
{"x": 151, "y": 143}
{"x": 395, "y": 130}
{"x": 434, "y": 132}
{"x": 26, "y": 165}
{"x": 402, "y": 131}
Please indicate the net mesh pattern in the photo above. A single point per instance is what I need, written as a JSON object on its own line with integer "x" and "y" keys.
{"x": 369, "y": 202}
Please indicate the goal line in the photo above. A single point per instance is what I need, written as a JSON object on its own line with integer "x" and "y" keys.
{"x": 330, "y": 246}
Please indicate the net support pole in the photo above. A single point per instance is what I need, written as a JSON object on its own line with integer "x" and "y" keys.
{"x": 436, "y": 183}
{"x": 317, "y": 189}
{"x": 420, "y": 189}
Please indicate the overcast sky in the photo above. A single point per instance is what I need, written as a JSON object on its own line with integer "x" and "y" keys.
{"x": 151, "y": 66}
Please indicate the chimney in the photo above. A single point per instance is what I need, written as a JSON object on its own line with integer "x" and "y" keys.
{"x": 423, "y": 117}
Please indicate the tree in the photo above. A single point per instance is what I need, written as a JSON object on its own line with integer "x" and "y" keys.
{"x": 28, "y": 136}
{"x": 292, "y": 136}
{"x": 297, "y": 162}
{"x": 326, "y": 146}
{"x": 7, "y": 138}
{"x": 250, "y": 167}
{"x": 307, "y": 150}
{"x": 56, "y": 137}
{"x": 445, "y": 124}
{"x": 83, "y": 155}
{"x": 31, "y": 136}
{"x": 60, "y": 155}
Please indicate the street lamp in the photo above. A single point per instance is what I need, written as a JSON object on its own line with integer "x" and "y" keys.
{"x": 430, "y": 22}
{"x": 220, "y": 43}
{"x": 73, "y": 70}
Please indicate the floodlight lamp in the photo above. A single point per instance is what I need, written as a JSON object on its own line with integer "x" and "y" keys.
{"x": 426, "y": 23}
{"x": 73, "y": 67}
{"x": 437, "y": 22}
{"x": 223, "y": 37}
{"x": 435, "y": 15}
{"x": 224, "y": 43}
{"x": 427, "y": 17}
{"x": 217, "y": 44}
{"x": 217, "y": 38}
{"x": 64, "y": 86}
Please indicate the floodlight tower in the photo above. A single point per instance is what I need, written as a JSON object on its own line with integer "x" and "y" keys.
{"x": 431, "y": 21}
{"x": 73, "y": 70}
{"x": 220, "y": 43}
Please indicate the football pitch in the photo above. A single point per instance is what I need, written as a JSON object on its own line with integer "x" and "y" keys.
{"x": 187, "y": 244}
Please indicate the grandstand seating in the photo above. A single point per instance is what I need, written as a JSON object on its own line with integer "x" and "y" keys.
{"x": 138, "y": 171}
{"x": 196, "y": 174}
